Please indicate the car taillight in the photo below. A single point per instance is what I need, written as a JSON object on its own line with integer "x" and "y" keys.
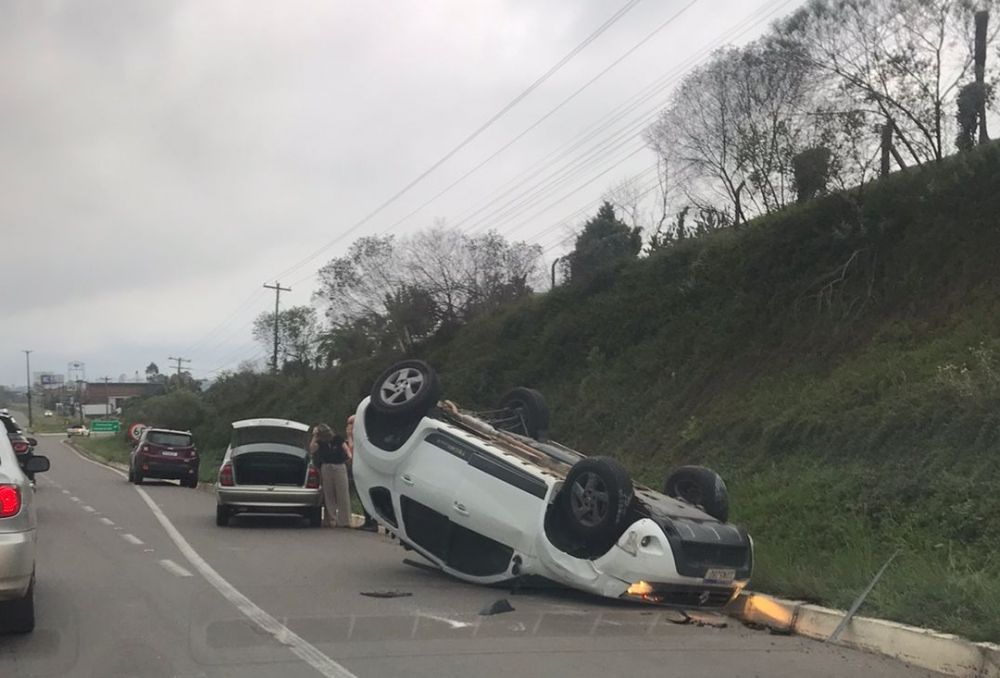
{"x": 145, "y": 449}
{"x": 312, "y": 479}
{"x": 10, "y": 501}
{"x": 226, "y": 475}
{"x": 20, "y": 447}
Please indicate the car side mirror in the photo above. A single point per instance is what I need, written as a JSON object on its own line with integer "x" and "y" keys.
{"x": 33, "y": 442}
{"x": 37, "y": 464}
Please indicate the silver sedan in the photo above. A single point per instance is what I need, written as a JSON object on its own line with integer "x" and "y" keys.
{"x": 17, "y": 540}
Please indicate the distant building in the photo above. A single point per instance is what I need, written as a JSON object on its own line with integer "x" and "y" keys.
{"x": 100, "y": 398}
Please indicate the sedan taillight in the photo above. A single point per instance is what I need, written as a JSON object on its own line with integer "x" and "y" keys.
{"x": 10, "y": 501}
{"x": 226, "y": 475}
{"x": 20, "y": 447}
{"x": 312, "y": 478}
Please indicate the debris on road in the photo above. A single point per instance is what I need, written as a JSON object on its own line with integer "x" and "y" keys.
{"x": 497, "y": 607}
{"x": 386, "y": 594}
{"x": 700, "y": 620}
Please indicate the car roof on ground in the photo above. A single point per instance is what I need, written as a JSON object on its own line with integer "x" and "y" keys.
{"x": 266, "y": 421}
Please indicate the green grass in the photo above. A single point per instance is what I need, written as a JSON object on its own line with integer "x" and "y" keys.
{"x": 110, "y": 448}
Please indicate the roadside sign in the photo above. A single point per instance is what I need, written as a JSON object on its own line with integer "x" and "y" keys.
{"x": 108, "y": 426}
{"x": 135, "y": 431}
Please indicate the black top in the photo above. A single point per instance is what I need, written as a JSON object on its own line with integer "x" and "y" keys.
{"x": 331, "y": 451}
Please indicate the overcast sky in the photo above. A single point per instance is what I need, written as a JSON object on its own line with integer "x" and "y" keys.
{"x": 159, "y": 161}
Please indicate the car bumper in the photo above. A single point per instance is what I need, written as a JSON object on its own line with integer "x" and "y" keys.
{"x": 269, "y": 498}
{"x": 169, "y": 469}
{"x": 641, "y": 567}
{"x": 17, "y": 562}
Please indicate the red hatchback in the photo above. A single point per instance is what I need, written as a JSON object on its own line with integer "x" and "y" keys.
{"x": 162, "y": 453}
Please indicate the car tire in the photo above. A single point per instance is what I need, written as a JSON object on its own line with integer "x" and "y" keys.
{"x": 407, "y": 389}
{"x": 531, "y": 406}
{"x": 315, "y": 516}
{"x": 191, "y": 482}
{"x": 18, "y": 616}
{"x": 595, "y": 498}
{"x": 701, "y": 487}
{"x": 222, "y": 515}
{"x": 131, "y": 474}
{"x": 137, "y": 477}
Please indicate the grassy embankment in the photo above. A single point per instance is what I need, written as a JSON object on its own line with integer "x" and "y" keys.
{"x": 838, "y": 363}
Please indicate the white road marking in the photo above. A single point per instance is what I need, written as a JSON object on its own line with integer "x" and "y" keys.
{"x": 108, "y": 522}
{"x": 173, "y": 568}
{"x": 74, "y": 499}
{"x": 453, "y": 623}
{"x": 300, "y": 647}
{"x": 65, "y": 491}
{"x": 132, "y": 539}
{"x": 89, "y": 509}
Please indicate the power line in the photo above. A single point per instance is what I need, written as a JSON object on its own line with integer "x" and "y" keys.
{"x": 496, "y": 116}
{"x": 179, "y": 362}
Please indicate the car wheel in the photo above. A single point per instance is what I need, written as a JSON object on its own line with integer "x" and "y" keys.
{"x": 137, "y": 477}
{"x": 701, "y": 487}
{"x": 18, "y": 616}
{"x": 530, "y": 406}
{"x": 315, "y": 516}
{"x": 222, "y": 515}
{"x": 408, "y": 388}
{"x": 595, "y": 498}
{"x": 191, "y": 482}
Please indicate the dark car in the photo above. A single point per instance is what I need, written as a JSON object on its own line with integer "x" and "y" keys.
{"x": 162, "y": 453}
{"x": 23, "y": 444}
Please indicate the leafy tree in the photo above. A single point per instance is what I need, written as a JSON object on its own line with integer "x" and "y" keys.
{"x": 153, "y": 374}
{"x": 811, "y": 168}
{"x": 180, "y": 409}
{"x": 971, "y": 99}
{"x": 297, "y": 334}
{"x": 604, "y": 240}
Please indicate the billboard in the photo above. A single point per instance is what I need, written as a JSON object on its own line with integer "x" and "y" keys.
{"x": 49, "y": 379}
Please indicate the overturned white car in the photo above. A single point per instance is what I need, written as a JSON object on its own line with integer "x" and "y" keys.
{"x": 487, "y": 498}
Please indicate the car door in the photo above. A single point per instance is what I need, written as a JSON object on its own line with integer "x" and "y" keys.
{"x": 425, "y": 485}
{"x": 497, "y": 509}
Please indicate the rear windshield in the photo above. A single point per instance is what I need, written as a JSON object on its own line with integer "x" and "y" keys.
{"x": 168, "y": 439}
{"x": 269, "y": 434}
{"x": 10, "y": 424}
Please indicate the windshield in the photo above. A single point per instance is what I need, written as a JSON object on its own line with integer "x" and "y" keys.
{"x": 168, "y": 439}
{"x": 269, "y": 434}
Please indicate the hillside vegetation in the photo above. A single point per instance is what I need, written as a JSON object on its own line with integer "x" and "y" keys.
{"x": 838, "y": 362}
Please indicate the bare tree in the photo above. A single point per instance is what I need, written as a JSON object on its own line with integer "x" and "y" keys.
{"x": 900, "y": 59}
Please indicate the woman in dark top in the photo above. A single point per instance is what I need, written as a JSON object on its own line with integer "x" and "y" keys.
{"x": 330, "y": 454}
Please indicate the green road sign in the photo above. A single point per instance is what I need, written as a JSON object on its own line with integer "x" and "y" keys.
{"x": 105, "y": 426}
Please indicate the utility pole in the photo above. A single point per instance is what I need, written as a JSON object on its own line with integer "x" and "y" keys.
{"x": 278, "y": 289}
{"x": 982, "y": 22}
{"x": 107, "y": 398}
{"x": 179, "y": 362}
{"x": 27, "y": 372}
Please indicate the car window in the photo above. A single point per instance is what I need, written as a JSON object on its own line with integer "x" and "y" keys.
{"x": 10, "y": 425}
{"x": 269, "y": 434}
{"x": 169, "y": 439}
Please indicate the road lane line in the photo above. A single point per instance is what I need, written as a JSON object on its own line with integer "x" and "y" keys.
{"x": 65, "y": 491}
{"x": 173, "y": 568}
{"x": 74, "y": 499}
{"x": 89, "y": 509}
{"x": 453, "y": 623}
{"x": 300, "y": 647}
{"x": 108, "y": 522}
{"x": 132, "y": 539}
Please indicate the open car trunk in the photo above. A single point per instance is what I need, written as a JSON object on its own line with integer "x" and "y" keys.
{"x": 265, "y": 464}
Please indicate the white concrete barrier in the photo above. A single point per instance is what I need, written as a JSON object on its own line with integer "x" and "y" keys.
{"x": 941, "y": 652}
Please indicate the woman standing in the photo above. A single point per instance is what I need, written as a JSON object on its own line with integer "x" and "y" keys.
{"x": 369, "y": 525}
{"x": 331, "y": 454}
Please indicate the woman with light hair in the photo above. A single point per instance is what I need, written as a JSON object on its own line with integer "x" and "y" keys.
{"x": 330, "y": 453}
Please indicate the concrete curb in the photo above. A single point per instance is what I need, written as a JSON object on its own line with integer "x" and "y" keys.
{"x": 941, "y": 652}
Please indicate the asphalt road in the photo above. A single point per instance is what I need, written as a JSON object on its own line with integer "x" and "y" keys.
{"x": 123, "y": 591}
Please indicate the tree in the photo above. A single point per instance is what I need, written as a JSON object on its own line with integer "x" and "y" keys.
{"x": 297, "y": 334}
{"x": 811, "y": 169}
{"x": 899, "y": 59}
{"x": 732, "y": 127}
{"x": 153, "y": 374}
{"x": 603, "y": 241}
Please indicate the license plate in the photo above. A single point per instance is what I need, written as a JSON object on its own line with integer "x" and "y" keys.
{"x": 167, "y": 453}
{"x": 721, "y": 575}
